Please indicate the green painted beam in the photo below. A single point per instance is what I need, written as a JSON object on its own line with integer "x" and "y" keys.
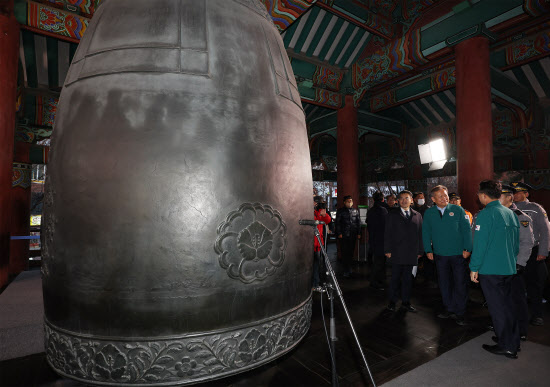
{"x": 20, "y": 11}
{"x": 498, "y": 59}
{"x": 303, "y": 69}
{"x": 379, "y": 124}
{"x": 420, "y": 87}
{"x": 480, "y": 12}
{"x": 323, "y": 123}
{"x": 306, "y": 92}
{"x": 506, "y": 88}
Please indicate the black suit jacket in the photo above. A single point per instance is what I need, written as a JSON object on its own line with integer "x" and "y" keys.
{"x": 403, "y": 237}
{"x": 376, "y": 223}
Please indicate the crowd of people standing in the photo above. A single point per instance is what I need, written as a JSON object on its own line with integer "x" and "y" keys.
{"x": 503, "y": 247}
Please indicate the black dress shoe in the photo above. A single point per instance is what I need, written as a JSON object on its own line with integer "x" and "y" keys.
{"x": 523, "y": 337}
{"x": 445, "y": 314}
{"x": 496, "y": 350}
{"x": 495, "y": 339}
{"x": 391, "y": 306}
{"x": 409, "y": 308}
{"x": 491, "y": 328}
{"x": 537, "y": 321}
{"x": 459, "y": 319}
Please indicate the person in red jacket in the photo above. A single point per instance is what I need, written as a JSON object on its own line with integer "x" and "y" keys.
{"x": 322, "y": 216}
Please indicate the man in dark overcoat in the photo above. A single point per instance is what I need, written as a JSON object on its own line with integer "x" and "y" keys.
{"x": 348, "y": 230}
{"x": 403, "y": 246}
{"x": 376, "y": 222}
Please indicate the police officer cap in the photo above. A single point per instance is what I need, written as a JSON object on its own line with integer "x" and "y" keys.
{"x": 507, "y": 189}
{"x": 454, "y": 195}
{"x": 519, "y": 186}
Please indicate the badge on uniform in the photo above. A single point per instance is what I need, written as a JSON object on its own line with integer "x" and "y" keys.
{"x": 545, "y": 214}
{"x": 466, "y": 217}
{"x": 524, "y": 223}
{"x": 478, "y": 227}
{"x": 451, "y": 214}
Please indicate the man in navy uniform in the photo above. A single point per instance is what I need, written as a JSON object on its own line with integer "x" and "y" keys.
{"x": 493, "y": 264}
{"x": 535, "y": 271}
{"x": 526, "y": 243}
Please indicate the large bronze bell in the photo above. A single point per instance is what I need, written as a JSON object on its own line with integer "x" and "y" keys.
{"x": 180, "y": 166}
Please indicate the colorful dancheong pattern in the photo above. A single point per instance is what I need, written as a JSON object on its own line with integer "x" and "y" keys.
{"x": 329, "y": 98}
{"x": 327, "y": 78}
{"x": 56, "y": 21}
{"x": 285, "y": 12}
{"x": 46, "y": 107}
{"x": 21, "y": 175}
{"x": 527, "y": 48}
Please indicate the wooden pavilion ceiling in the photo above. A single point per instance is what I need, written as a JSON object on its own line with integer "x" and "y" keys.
{"x": 395, "y": 57}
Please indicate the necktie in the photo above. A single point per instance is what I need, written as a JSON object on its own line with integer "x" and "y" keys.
{"x": 408, "y": 215}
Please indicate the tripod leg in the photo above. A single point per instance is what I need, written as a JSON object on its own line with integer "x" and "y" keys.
{"x": 333, "y": 339}
{"x": 341, "y": 296}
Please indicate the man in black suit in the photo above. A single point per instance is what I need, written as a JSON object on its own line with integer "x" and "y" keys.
{"x": 403, "y": 245}
{"x": 348, "y": 230}
{"x": 376, "y": 221}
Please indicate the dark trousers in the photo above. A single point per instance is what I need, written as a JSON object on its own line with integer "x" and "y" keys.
{"x": 401, "y": 279}
{"x": 316, "y": 268}
{"x": 499, "y": 295}
{"x": 452, "y": 272}
{"x": 429, "y": 269}
{"x": 378, "y": 276}
{"x": 520, "y": 302}
{"x": 535, "y": 274}
{"x": 348, "y": 248}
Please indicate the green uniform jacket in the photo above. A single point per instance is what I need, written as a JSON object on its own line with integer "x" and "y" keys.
{"x": 496, "y": 241}
{"x": 449, "y": 234}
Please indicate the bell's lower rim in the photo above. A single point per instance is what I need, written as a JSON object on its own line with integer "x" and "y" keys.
{"x": 175, "y": 360}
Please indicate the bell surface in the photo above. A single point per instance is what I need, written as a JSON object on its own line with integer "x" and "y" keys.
{"x": 179, "y": 170}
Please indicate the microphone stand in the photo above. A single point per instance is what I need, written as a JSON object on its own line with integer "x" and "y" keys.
{"x": 330, "y": 289}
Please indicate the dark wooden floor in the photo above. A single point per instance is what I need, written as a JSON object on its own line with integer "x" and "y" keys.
{"x": 394, "y": 342}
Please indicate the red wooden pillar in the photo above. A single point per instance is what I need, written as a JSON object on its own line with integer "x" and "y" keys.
{"x": 9, "y": 46}
{"x": 20, "y": 208}
{"x": 348, "y": 152}
{"x": 474, "y": 133}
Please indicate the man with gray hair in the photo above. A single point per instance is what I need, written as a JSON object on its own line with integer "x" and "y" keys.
{"x": 447, "y": 239}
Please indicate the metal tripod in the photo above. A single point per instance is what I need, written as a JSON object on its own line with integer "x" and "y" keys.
{"x": 330, "y": 288}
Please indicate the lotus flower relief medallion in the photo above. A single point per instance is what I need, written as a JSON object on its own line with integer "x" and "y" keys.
{"x": 251, "y": 242}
